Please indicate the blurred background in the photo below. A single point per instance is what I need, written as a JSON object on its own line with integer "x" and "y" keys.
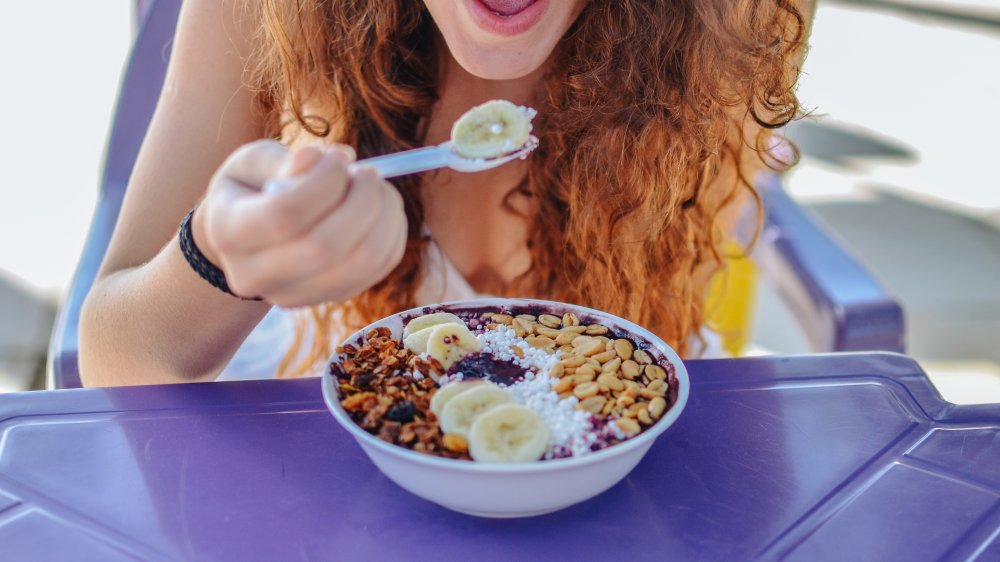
{"x": 898, "y": 157}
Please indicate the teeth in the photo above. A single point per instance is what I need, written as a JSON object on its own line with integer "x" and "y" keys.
{"x": 449, "y": 391}
{"x": 507, "y": 433}
{"x": 449, "y": 343}
{"x": 428, "y": 320}
{"x": 492, "y": 129}
{"x": 461, "y": 411}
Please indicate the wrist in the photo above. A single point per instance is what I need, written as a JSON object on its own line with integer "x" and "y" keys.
{"x": 201, "y": 239}
{"x": 200, "y": 262}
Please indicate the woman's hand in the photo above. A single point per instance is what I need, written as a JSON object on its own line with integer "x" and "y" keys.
{"x": 326, "y": 234}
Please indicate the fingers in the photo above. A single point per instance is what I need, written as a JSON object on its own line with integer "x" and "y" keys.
{"x": 325, "y": 245}
{"x": 253, "y": 164}
{"x": 323, "y": 231}
{"x": 311, "y": 184}
{"x": 368, "y": 263}
{"x": 359, "y": 263}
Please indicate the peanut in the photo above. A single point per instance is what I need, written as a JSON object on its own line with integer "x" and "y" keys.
{"x": 611, "y": 381}
{"x": 594, "y": 404}
{"x": 642, "y": 357}
{"x": 605, "y": 356}
{"x": 586, "y": 390}
{"x": 612, "y": 366}
{"x": 627, "y": 426}
{"x": 550, "y": 321}
{"x": 589, "y": 348}
{"x": 643, "y": 417}
{"x": 563, "y": 385}
{"x": 630, "y": 369}
{"x": 655, "y": 372}
{"x": 505, "y": 319}
{"x": 656, "y": 407}
{"x": 596, "y": 330}
{"x": 624, "y": 349}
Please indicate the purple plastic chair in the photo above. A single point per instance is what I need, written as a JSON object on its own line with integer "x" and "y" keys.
{"x": 839, "y": 305}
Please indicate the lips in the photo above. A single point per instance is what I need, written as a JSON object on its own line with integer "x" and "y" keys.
{"x": 507, "y": 17}
{"x": 507, "y": 8}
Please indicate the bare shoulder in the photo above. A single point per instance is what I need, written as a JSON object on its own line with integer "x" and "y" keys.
{"x": 213, "y": 44}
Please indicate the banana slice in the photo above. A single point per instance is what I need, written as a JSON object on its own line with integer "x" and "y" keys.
{"x": 492, "y": 129}
{"x": 459, "y": 413}
{"x": 417, "y": 341}
{"x": 449, "y": 343}
{"x": 428, "y": 320}
{"x": 508, "y": 433}
{"x": 449, "y": 391}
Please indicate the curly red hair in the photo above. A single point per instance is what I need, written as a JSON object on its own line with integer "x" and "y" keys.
{"x": 653, "y": 120}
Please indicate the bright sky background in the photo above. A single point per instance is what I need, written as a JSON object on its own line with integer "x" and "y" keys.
{"x": 60, "y": 61}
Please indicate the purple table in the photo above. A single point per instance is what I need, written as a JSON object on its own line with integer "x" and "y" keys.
{"x": 829, "y": 457}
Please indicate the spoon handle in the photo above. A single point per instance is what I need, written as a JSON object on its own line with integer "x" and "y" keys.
{"x": 408, "y": 161}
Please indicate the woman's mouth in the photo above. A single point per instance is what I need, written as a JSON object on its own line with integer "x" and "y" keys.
{"x": 507, "y": 8}
{"x": 506, "y": 17}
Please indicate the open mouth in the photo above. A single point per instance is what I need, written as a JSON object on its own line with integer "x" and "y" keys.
{"x": 507, "y": 17}
{"x": 507, "y": 8}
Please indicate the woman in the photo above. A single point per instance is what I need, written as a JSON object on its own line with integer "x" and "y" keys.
{"x": 653, "y": 116}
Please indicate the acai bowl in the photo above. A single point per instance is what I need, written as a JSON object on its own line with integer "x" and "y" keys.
{"x": 505, "y": 407}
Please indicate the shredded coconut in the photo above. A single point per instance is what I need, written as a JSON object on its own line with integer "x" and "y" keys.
{"x": 499, "y": 342}
{"x": 570, "y": 430}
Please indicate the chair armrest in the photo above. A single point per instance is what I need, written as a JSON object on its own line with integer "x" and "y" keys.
{"x": 838, "y": 303}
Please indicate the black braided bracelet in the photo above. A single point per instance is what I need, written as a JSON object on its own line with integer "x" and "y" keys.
{"x": 200, "y": 264}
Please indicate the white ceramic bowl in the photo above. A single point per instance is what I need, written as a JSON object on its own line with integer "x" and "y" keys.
{"x": 511, "y": 490}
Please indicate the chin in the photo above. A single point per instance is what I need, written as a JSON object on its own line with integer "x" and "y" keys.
{"x": 499, "y": 65}
{"x": 503, "y": 46}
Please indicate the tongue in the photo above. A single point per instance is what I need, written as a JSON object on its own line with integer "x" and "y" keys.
{"x": 507, "y": 7}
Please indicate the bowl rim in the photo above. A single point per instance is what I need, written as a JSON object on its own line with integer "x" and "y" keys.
{"x": 330, "y": 385}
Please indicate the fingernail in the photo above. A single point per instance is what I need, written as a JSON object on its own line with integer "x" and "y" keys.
{"x": 340, "y": 157}
{"x": 366, "y": 173}
{"x": 347, "y": 150}
{"x": 300, "y": 161}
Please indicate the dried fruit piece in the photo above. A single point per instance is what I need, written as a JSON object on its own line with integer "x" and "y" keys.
{"x": 402, "y": 412}
{"x": 455, "y": 442}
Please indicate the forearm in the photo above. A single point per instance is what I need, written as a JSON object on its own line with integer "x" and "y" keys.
{"x": 160, "y": 323}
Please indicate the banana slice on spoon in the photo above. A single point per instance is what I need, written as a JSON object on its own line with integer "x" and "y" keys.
{"x": 492, "y": 129}
{"x": 487, "y": 136}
